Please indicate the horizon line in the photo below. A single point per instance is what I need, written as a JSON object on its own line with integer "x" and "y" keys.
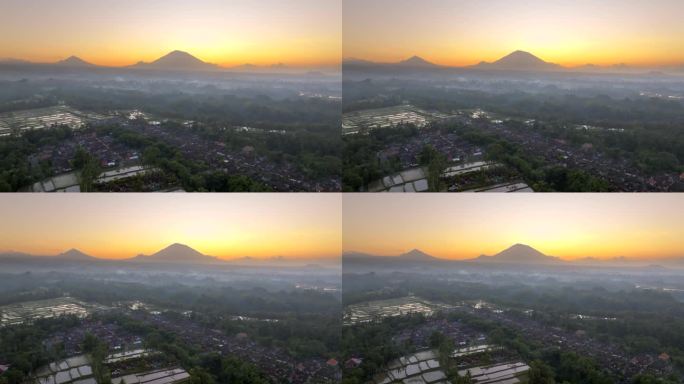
{"x": 568, "y": 66}
{"x": 561, "y": 258}
{"x": 272, "y": 65}
{"x": 221, "y": 258}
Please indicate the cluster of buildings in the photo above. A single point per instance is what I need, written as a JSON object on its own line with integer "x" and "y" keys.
{"x": 115, "y": 155}
{"x": 106, "y": 149}
{"x": 281, "y": 176}
{"x": 419, "y": 336}
{"x": 43, "y": 118}
{"x": 369, "y": 119}
{"x": 76, "y": 370}
{"x": 79, "y": 370}
{"x": 117, "y": 338}
{"x": 498, "y": 365}
{"x": 467, "y": 171}
{"x": 69, "y": 182}
{"x": 274, "y": 361}
{"x": 408, "y": 180}
{"x": 118, "y": 160}
{"x": 420, "y": 368}
{"x": 28, "y": 311}
{"x": 128, "y": 362}
{"x": 366, "y": 120}
{"x": 476, "y": 362}
{"x": 618, "y": 171}
{"x": 127, "y": 347}
{"x": 612, "y": 357}
{"x": 379, "y": 309}
{"x": 160, "y": 376}
{"x": 507, "y": 373}
{"x": 453, "y": 147}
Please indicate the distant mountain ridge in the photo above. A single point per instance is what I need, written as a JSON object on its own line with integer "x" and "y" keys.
{"x": 518, "y": 253}
{"x": 417, "y": 255}
{"x": 75, "y": 254}
{"x": 519, "y": 61}
{"x": 413, "y": 62}
{"x": 417, "y": 61}
{"x": 174, "y": 253}
{"x": 177, "y": 253}
{"x": 516, "y": 61}
{"x": 414, "y": 255}
{"x": 75, "y": 61}
{"x": 177, "y": 60}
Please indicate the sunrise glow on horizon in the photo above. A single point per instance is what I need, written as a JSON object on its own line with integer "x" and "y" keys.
{"x": 465, "y": 32}
{"x": 227, "y": 226}
{"x": 303, "y": 33}
{"x": 569, "y": 226}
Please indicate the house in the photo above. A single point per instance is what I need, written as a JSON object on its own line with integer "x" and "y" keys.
{"x": 332, "y": 363}
{"x": 353, "y": 362}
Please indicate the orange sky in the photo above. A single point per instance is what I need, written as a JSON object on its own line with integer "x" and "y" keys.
{"x": 463, "y": 226}
{"x": 122, "y": 32}
{"x": 465, "y": 32}
{"x": 322, "y": 225}
{"x": 222, "y": 225}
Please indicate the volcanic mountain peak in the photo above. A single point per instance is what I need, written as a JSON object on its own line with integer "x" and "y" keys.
{"x": 75, "y": 254}
{"x": 520, "y": 55}
{"x": 178, "y": 57}
{"x": 416, "y": 61}
{"x": 520, "y": 60}
{"x": 74, "y": 61}
{"x": 520, "y": 249}
{"x": 178, "y": 248}
{"x": 519, "y": 253}
{"x": 177, "y": 60}
{"x": 416, "y": 254}
{"x": 177, "y": 252}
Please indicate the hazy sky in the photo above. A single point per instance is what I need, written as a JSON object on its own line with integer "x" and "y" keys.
{"x": 465, "y": 32}
{"x": 564, "y": 225}
{"x": 222, "y": 225}
{"x": 121, "y": 32}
